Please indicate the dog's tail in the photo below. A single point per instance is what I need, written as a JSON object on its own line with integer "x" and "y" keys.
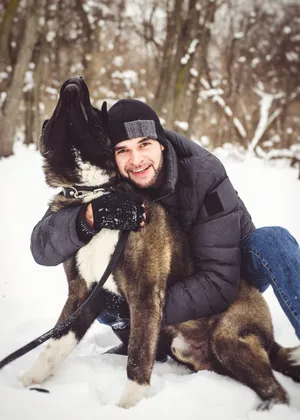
{"x": 286, "y": 360}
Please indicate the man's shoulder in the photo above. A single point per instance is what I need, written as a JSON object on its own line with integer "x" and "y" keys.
{"x": 186, "y": 148}
{"x": 193, "y": 158}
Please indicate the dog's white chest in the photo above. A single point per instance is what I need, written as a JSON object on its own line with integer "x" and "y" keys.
{"x": 93, "y": 258}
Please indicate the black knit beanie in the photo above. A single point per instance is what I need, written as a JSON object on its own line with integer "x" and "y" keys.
{"x": 130, "y": 118}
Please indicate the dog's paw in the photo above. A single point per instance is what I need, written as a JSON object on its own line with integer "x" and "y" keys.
{"x": 40, "y": 371}
{"x": 49, "y": 360}
{"x": 34, "y": 377}
{"x": 295, "y": 356}
{"x": 133, "y": 394}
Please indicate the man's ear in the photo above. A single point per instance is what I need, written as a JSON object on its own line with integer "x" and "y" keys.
{"x": 162, "y": 148}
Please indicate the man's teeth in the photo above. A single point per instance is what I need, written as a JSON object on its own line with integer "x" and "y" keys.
{"x": 140, "y": 170}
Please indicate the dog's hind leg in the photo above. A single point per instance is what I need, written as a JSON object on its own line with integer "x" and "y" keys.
{"x": 244, "y": 358}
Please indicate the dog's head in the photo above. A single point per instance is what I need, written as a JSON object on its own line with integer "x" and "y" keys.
{"x": 74, "y": 141}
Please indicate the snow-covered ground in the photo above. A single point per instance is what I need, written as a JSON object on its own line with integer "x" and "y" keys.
{"x": 88, "y": 384}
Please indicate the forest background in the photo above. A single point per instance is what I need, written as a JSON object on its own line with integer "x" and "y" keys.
{"x": 225, "y": 73}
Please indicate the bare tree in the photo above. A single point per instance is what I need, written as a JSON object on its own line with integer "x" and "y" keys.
{"x": 5, "y": 31}
{"x": 183, "y": 59}
{"x": 10, "y": 110}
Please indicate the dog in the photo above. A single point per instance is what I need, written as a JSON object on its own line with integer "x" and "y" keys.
{"x": 238, "y": 342}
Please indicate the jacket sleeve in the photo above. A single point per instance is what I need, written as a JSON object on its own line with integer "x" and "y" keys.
{"x": 54, "y": 238}
{"x": 214, "y": 239}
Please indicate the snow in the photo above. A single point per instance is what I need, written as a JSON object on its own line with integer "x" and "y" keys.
{"x": 3, "y": 75}
{"x": 183, "y": 125}
{"x": 51, "y": 90}
{"x": 89, "y": 384}
{"x": 255, "y": 61}
{"x": 208, "y": 93}
{"x": 118, "y": 61}
{"x": 2, "y": 98}
{"x": 194, "y": 72}
{"x": 50, "y": 36}
{"x": 292, "y": 56}
{"x": 191, "y": 50}
{"x": 264, "y": 120}
{"x": 28, "y": 81}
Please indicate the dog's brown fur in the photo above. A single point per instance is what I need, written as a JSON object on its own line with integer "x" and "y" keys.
{"x": 238, "y": 343}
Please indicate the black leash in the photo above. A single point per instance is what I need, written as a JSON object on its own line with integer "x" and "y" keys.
{"x": 67, "y": 322}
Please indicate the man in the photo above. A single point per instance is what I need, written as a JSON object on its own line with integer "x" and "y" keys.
{"x": 192, "y": 184}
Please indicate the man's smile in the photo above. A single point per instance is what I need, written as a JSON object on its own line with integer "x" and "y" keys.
{"x": 140, "y": 172}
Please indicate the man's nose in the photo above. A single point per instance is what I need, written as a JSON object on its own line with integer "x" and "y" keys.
{"x": 135, "y": 157}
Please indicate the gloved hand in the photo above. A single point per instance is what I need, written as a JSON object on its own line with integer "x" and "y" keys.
{"x": 117, "y": 210}
{"x": 114, "y": 210}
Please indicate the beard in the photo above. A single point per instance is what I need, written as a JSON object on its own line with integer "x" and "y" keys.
{"x": 155, "y": 181}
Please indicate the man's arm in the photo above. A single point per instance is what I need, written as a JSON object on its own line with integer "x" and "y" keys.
{"x": 59, "y": 235}
{"x": 55, "y": 238}
{"x": 214, "y": 240}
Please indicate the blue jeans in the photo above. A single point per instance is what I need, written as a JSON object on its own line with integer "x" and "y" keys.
{"x": 270, "y": 255}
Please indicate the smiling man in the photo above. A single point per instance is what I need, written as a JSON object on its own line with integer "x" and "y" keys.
{"x": 138, "y": 143}
{"x": 193, "y": 186}
{"x": 141, "y": 161}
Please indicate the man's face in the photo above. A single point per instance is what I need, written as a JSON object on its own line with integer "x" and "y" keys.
{"x": 140, "y": 160}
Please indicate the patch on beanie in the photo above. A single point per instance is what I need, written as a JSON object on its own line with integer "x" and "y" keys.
{"x": 213, "y": 204}
{"x": 140, "y": 128}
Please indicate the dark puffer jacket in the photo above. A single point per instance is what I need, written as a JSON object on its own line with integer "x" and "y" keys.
{"x": 198, "y": 192}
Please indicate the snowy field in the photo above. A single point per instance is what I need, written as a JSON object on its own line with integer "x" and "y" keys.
{"x": 88, "y": 385}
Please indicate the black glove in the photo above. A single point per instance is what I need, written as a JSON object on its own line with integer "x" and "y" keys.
{"x": 117, "y": 210}
{"x": 113, "y": 210}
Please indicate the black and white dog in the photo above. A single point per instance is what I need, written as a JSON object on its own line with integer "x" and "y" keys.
{"x": 239, "y": 342}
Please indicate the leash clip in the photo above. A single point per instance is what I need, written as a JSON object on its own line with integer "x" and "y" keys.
{"x": 74, "y": 193}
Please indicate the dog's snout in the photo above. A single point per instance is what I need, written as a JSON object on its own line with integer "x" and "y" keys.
{"x": 72, "y": 89}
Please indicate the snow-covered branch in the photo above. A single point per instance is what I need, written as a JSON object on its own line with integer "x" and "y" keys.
{"x": 265, "y": 106}
{"x": 265, "y": 120}
{"x": 215, "y": 95}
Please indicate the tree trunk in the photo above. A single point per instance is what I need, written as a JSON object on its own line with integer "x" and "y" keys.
{"x": 33, "y": 114}
{"x": 10, "y": 111}
{"x": 173, "y": 93}
{"x": 167, "y": 63}
{"x": 201, "y": 65}
{"x": 184, "y": 58}
{"x": 5, "y": 30}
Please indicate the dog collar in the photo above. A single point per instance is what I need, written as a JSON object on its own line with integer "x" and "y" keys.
{"x": 81, "y": 191}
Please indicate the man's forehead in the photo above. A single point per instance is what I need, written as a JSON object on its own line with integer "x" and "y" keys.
{"x": 132, "y": 142}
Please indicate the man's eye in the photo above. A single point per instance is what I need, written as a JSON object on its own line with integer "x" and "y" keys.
{"x": 120, "y": 151}
{"x": 146, "y": 143}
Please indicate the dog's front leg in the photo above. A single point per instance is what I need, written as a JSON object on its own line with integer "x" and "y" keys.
{"x": 145, "y": 319}
{"x": 59, "y": 347}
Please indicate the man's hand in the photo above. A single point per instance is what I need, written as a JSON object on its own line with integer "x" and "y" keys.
{"x": 115, "y": 211}
{"x": 89, "y": 217}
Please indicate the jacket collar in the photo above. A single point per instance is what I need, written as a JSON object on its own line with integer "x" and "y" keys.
{"x": 170, "y": 171}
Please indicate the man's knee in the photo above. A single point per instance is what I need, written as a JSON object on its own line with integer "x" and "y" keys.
{"x": 271, "y": 232}
{"x": 270, "y": 237}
